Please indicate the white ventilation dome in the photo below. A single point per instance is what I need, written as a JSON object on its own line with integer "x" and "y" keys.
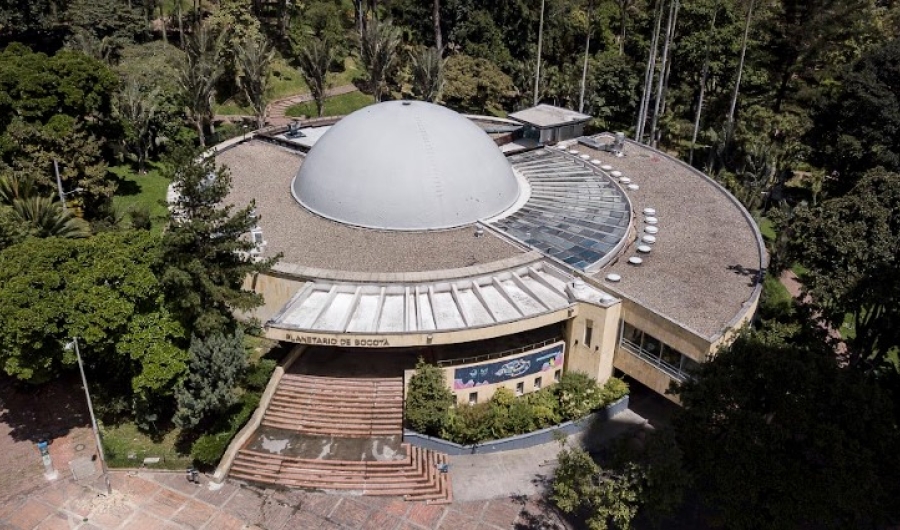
{"x": 406, "y": 165}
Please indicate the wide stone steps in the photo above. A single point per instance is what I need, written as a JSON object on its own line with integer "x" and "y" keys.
{"x": 337, "y": 406}
{"x": 417, "y": 476}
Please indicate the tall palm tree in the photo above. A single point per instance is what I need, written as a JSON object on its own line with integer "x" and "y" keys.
{"x": 378, "y": 52}
{"x": 254, "y": 58}
{"x": 428, "y": 74}
{"x": 737, "y": 82}
{"x": 198, "y": 76}
{"x": 314, "y": 59}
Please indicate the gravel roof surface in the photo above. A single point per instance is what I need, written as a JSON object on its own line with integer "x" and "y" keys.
{"x": 704, "y": 264}
{"x": 263, "y": 171}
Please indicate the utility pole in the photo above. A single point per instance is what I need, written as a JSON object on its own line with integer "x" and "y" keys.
{"x": 737, "y": 82}
{"x": 537, "y": 71}
{"x": 93, "y": 418}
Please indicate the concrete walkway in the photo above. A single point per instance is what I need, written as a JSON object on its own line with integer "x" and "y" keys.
{"x": 526, "y": 472}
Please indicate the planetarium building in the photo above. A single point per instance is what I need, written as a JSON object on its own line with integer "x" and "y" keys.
{"x": 407, "y": 230}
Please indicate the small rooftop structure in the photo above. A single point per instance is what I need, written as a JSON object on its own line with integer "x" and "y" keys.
{"x": 549, "y": 124}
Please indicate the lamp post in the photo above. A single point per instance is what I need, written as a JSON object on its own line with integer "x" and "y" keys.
{"x": 59, "y": 186}
{"x": 69, "y": 346}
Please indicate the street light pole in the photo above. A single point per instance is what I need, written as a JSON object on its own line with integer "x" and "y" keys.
{"x": 62, "y": 199}
{"x": 93, "y": 418}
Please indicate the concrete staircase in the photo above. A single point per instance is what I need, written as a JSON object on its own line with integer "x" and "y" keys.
{"x": 417, "y": 477}
{"x": 332, "y": 406}
{"x": 344, "y": 408}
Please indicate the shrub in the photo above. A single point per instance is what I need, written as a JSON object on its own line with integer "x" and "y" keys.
{"x": 544, "y": 407}
{"x": 428, "y": 400}
{"x": 208, "y": 449}
{"x": 259, "y": 374}
{"x": 578, "y": 395}
{"x": 468, "y": 424}
{"x": 614, "y": 390}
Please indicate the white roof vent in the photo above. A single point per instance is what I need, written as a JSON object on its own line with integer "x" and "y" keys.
{"x": 633, "y": 187}
{"x": 649, "y": 239}
{"x": 644, "y": 249}
{"x": 605, "y": 298}
{"x": 573, "y": 151}
{"x": 625, "y": 180}
{"x": 634, "y": 260}
{"x": 613, "y": 277}
{"x": 606, "y": 167}
{"x": 650, "y": 211}
{"x": 584, "y": 157}
{"x": 652, "y": 230}
{"x": 616, "y": 174}
{"x": 595, "y": 162}
{"x": 651, "y": 220}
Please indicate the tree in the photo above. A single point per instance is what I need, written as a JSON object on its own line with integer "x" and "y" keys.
{"x": 103, "y": 290}
{"x": 378, "y": 53}
{"x": 428, "y": 399}
{"x": 604, "y": 498}
{"x": 206, "y": 249}
{"x": 776, "y": 435}
{"x": 857, "y": 128}
{"x": 110, "y": 21}
{"x": 476, "y": 85}
{"x": 428, "y": 74}
{"x": 216, "y": 364}
{"x": 137, "y": 110}
{"x": 254, "y": 59}
{"x": 436, "y": 22}
{"x": 314, "y": 59}
{"x": 197, "y": 77}
{"x": 42, "y": 217}
{"x": 850, "y": 246}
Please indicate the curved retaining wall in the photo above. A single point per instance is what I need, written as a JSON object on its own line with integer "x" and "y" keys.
{"x": 522, "y": 441}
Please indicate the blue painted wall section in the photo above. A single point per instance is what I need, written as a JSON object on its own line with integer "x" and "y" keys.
{"x": 543, "y": 360}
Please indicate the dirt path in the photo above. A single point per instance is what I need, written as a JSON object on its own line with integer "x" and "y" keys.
{"x": 278, "y": 107}
{"x": 794, "y": 286}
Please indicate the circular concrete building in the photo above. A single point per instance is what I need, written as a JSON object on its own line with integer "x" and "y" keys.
{"x": 407, "y": 229}
{"x": 505, "y": 251}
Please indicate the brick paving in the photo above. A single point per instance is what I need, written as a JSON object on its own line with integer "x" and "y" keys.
{"x": 154, "y": 500}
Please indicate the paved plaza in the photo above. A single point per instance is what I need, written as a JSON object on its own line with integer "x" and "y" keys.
{"x": 145, "y": 500}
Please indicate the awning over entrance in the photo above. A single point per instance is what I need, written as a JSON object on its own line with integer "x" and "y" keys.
{"x": 506, "y": 296}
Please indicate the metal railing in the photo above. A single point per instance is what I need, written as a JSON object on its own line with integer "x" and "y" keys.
{"x": 672, "y": 371}
{"x": 488, "y": 356}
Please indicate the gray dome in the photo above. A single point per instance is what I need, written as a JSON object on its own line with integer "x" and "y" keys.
{"x": 406, "y": 166}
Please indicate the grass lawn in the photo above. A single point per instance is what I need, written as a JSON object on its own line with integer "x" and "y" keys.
{"x": 126, "y": 446}
{"x": 767, "y": 229}
{"x": 135, "y": 190}
{"x": 336, "y": 106}
{"x": 286, "y": 81}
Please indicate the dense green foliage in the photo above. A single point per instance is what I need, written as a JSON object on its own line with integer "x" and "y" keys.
{"x": 103, "y": 290}
{"x": 206, "y": 251}
{"x": 777, "y": 435}
{"x": 851, "y": 248}
{"x": 216, "y": 363}
{"x": 428, "y": 400}
{"x": 430, "y": 407}
{"x": 209, "y": 448}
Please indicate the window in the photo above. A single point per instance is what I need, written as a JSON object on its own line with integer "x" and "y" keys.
{"x": 520, "y": 388}
{"x": 473, "y": 398}
{"x": 537, "y": 383}
{"x": 588, "y": 332}
{"x": 556, "y": 376}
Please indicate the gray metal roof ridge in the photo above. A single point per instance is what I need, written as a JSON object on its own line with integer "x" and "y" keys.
{"x": 303, "y": 272}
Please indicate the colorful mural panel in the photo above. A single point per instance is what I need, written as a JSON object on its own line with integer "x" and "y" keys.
{"x": 534, "y": 362}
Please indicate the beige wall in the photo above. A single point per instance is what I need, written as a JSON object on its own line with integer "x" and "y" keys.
{"x": 595, "y": 360}
{"x": 276, "y": 293}
{"x": 665, "y": 330}
{"x": 644, "y": 372}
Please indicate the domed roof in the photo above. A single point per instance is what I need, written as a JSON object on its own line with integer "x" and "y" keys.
{"x": 406, "y": 165}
